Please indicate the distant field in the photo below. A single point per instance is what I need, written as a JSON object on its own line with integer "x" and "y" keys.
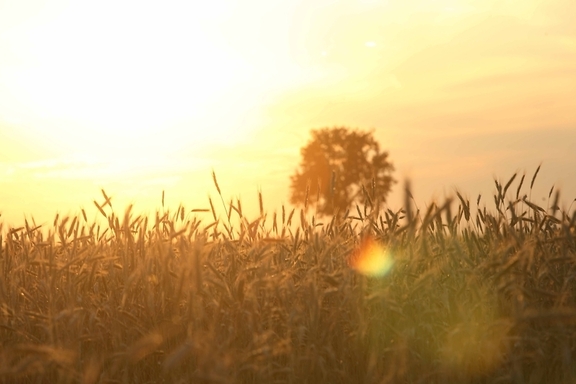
{"x": 453, "y": 293}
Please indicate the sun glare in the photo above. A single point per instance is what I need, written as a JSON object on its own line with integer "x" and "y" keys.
{"x": 132, "y": 74}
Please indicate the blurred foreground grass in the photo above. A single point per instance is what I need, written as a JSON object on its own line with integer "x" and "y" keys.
{"x": 449, "y": 294}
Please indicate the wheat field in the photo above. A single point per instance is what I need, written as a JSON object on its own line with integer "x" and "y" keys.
{"x": 452, "y": 293}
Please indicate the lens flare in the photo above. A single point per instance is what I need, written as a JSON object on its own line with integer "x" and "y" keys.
{"x": 371, "y": 258}
{"x": 476, "y": 347}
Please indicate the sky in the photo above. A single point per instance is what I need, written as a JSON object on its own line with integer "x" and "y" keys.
{"x": 140, "y": 97}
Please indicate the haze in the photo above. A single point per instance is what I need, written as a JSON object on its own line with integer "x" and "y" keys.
{"x": 140, "y": 97}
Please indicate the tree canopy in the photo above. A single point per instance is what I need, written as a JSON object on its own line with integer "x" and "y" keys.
{"x": 340, "y": 167}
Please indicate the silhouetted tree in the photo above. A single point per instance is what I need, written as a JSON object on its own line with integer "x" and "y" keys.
{"x": 340, "y": 167}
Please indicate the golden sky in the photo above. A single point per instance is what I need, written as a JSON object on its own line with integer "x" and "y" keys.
{"x": 137, "y": 97}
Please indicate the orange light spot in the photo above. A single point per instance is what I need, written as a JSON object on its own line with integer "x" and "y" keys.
{"x": 371, "y": 258}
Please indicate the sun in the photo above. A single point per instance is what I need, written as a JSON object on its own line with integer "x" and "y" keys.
{"x": 138, "y": 75}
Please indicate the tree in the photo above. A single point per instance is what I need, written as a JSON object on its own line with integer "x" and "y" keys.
{"x": 340, "y": 167}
